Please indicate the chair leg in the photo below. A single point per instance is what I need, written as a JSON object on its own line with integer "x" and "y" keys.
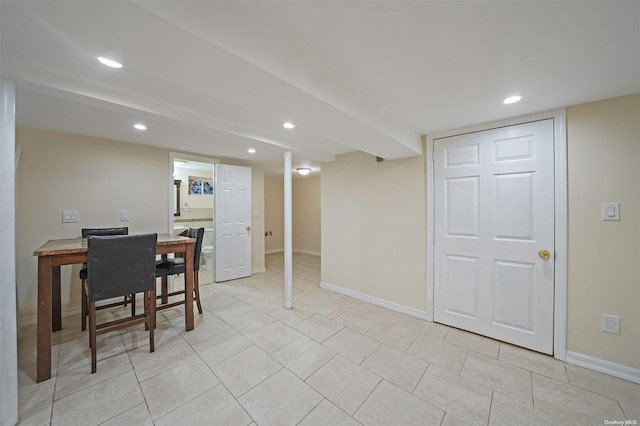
{"x": 146, "y": 307}
{"x": 133, "y": 305}
{"x": 92, "y": 335}
{"x": 164, "y": 290}
{"x": 152, "y": 319}
{"x": 196, "y": 289}
{"x": 83, "y": 314}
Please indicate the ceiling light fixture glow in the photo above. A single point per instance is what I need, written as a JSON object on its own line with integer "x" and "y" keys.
{"x": 251, "y": 151}
{"x": 140, "y": 126}
{"x": 288, "y": 125}
{"x": 512, "y": 99}
{"x": 303, "y": 170}
{"x": 109, "y": 62}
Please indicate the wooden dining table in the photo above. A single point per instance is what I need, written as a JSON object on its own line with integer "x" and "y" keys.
{"x": 56, "y": 253}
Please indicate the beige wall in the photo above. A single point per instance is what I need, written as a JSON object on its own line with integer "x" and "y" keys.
{"x": 99, "y": 178}
{"x": 257, "y": 220}
{"x": 274, "y": 214}
{"x": 604, "y": 257}
{"x": 305, "y": 194}
{"x": 373, "y": 227}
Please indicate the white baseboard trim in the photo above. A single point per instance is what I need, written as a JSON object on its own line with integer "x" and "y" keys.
{"x": 313, "y": 253}
{"x": 604, "y": 366}
{"x": 280, "y": 250}
{"x": 33, "y": 320}
{"x": 375, "y": 301}
{"x": 76, "y": 310}
{"x": 23, "y": 322}
{"x": 258, "y": 270}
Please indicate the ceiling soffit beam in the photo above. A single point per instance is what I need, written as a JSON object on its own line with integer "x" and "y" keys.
{"x": 170, "y": 114}
{"x": 410, "y": 142}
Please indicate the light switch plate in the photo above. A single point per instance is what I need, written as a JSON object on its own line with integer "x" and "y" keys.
{"x": 124, "y": 215}
{"x": 610, "y": 211}
{"x": 70, "y": 216}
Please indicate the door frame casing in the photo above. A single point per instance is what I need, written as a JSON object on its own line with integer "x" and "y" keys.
{"x": 560, "y": 217}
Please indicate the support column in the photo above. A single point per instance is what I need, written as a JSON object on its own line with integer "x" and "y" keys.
{"x": 288, "y": 232}
{"x": 8, "y": 312}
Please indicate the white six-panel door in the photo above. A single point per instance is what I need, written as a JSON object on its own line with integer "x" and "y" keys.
{"x": 232, "y": 222}
{"x": 494, "y": 218}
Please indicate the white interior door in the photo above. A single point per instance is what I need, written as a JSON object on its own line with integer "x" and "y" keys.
{"x": 232, "y": 222}
{"x": 494, "y": 216}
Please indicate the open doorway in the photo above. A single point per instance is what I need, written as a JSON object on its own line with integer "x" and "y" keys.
{"x": 191, "y": 204}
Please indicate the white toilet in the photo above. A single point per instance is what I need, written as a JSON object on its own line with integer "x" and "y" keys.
{"x": 207, "y": 249}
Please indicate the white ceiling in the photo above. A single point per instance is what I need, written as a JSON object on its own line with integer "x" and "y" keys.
{"x": 219, "y": 77}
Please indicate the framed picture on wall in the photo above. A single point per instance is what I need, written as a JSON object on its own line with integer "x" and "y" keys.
{"x": 195, "y": 186}
{"x": 207, "y": 187}
{"x": 200, "y": 186}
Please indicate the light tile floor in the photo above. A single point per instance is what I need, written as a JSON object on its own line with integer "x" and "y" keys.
{"x": 332, "y": 360}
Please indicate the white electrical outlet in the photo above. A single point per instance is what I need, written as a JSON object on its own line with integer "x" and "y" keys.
{"x": 124, "y": 215}
{"x": 611, "y": 324}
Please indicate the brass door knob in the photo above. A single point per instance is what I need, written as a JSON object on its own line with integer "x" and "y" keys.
{"x": 544, "y": 254}
{"x": 248, "y": 228}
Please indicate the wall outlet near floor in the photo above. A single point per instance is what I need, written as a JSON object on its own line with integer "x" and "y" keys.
{"x": 611, "y": 324}
{"x": 124, "y": 215}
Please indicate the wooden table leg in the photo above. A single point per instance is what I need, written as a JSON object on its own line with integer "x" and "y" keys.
{"x": 188, "y": 288}
{"x": 45, "y": 272}
{"x": 56, "y": 300}
{"x": 164, "y": 287}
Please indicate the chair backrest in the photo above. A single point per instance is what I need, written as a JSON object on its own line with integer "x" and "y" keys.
{"x": 120, "y": 265}
{"x": 198, "y": 234}
{"x": 105, "y": 231}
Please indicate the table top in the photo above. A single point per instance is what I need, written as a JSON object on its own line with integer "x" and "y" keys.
{"x": 79, "y": 245}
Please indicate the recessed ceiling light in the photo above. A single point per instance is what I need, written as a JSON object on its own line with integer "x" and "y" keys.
{"x": 288, "y": 125}
{"x": 251, "y": 151}
{"x": 512, "y": 99}
{"x": 140, "y": 126}
{"x": 109, "y": 62}
{"x": 303, "y": 170}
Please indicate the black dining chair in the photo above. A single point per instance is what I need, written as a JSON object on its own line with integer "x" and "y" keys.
{"x": 177, "y": 265}
{"x": 83, "y": 274}
{"x": 117, "y": 266}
